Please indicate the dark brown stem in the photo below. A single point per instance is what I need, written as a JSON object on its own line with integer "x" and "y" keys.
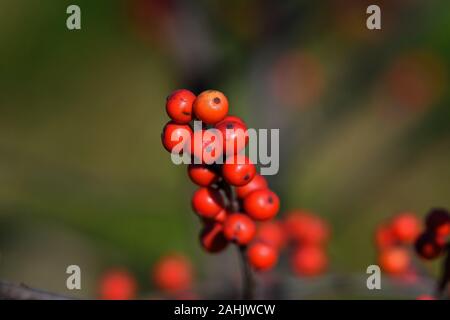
{"x": 248, "y": 283}
{"x": 11, "y": 291}
{"x": 445, "y": 276}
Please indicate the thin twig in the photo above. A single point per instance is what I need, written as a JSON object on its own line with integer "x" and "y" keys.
{"x": 12, "y": 291}
{"x": 248, "y": 283}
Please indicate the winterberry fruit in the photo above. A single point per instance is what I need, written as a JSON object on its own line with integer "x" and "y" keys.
{"x": 234, "y": 119}
{"x": 202, "y": 175}
{"x": 176, "y": 135}
{"x": 212, "y": 238}
{"x": 384, "y": 237}
{"x": 262, "y": 256}
{"x": 406, "y": 227}
{"x": 272, "y": 233}
{"x": 172, "y": 273}
{"x": 234, "y": 136}
{"x": 258, "y": 182}
{"x": 427, "y": 247}
{"x": 394, "y": 260}
{"x": 117, "y": 284}
{"x": 238, "y": 170}
{"x": 219, "y": 218}
{"x": 206, "y": 146}
{"x": 207, "y": 202}
{"x": 239, "y": 228}
{"x": 309, "y": 261}
{"x": 179, "y": 106}
{"x": 262, "y": 204}
{"x": 211, "y": 106}
{"x": 306, "y": 228}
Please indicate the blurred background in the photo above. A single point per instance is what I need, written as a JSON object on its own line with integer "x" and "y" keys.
{"x": 363, "y": 117}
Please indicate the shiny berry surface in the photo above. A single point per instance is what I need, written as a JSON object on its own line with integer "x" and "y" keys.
{"x": 179, "y": 106}
{"x": 262, "y": 256}
{"x": 262, "y": 204}
{"x": 211, "y": 106}
{"x": 238, "y": 170}
{"x": 239, "y": 228}
{"x": 207, "y": 202}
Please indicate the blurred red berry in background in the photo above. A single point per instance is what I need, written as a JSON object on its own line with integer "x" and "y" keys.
{"x": 395, "y": 260}
{"x": 405, "y": 227}
{"x": 309, "y": 260}
{"x": 172, "y": 273}
{"x": 272, "y": 233}
{"x": 384, "y": 236}
{"x": 117, "y": 284}
{"x": 306, "y": 228}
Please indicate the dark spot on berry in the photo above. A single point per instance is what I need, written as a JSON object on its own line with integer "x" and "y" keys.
{"x": 270, "y": 199}
{"x": 246, "y": 177}
{"x": 186, "y": 113}
{"x": 230, "y": 126}
{"x": 216, "y": 100}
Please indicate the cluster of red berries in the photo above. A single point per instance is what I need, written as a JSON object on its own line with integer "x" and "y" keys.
{"x": 308, "y": 235}
{"x": 393, "y": 239}
{"x": 171, "y": 275}
{"x": 433, "y": 241}
{"x": 231, "y": 196}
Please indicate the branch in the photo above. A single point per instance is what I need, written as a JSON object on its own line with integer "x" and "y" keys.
{"x": 11, "y": 291}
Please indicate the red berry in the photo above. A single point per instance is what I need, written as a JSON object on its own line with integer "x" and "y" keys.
{"x": 306, "y": 228}
{"x": 384, "y": 237}
{"x": 211, "y": 106}
{"x": 172, "y": 273}
{"x": 394, "y": 260}
{"x": 406, "y": 227}
{"x": 206, "y": 146}
{"x": 438, "y": 221}
{"x": 212, "y": 238}
{"x": 202, "y": 175}
{"x": 207, "y": 202}
{"x": 272, "y": 233}
{"x": 234, "y": 136}
{"x": 219, "y": 218}
{"x": 258, "y": 182}
{"x": 239, "y": 228}
{"x": 309, "y": 260}
{"x": 238, "y": 170}
{"x": 117, "y": 284}
{"x": 427, "y": 247}
{"x": 179, "y": 106}
{"x": 262, "y": 204}
{"x": 425, "y": 297}
{"x": 262, "y": 256}
{"x": 235, "y": 119}
{"x": 176, "y": 135}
